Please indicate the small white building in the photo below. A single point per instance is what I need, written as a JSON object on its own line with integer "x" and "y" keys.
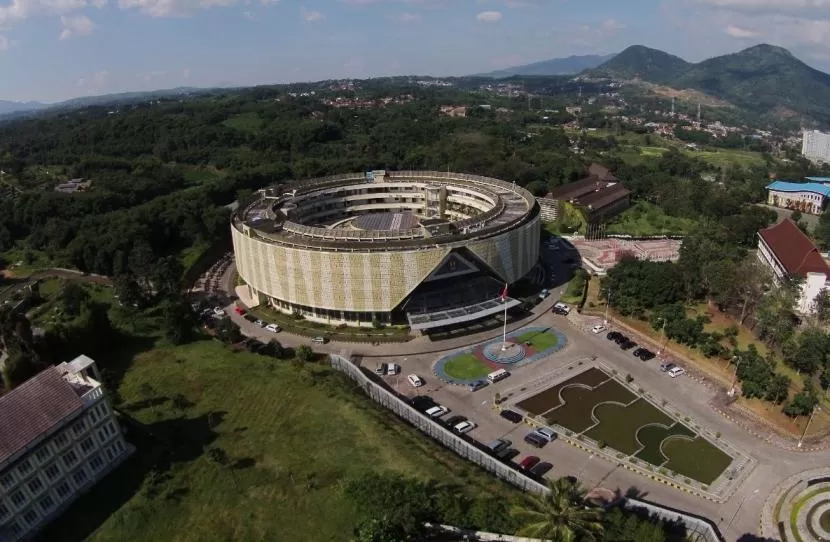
{"x": 809, "y": 197}
{"x": 58, "y": 438}
{"x": 816, "y": 146}
{"x": 788, "y": 252}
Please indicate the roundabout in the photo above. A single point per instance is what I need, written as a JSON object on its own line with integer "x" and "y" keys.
{"x": 521, "y": 347}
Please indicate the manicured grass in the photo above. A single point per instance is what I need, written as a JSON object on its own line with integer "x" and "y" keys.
{"x": 575, "y": 412}
{"x": 652, "y": 436}
{"x": 307, "y": 328}
{"x": 292, "y": 433}
{"x": 244, "y": 122}
{"x": 618, "y": 425}
{"x": 539, "y": 340}
{"x": 573, "y": 294}
{"x": 648, "y": 219}
{"x": 549, "y": 398}
{"x": 698, "y": 459}
{"x": 466, "y": 367}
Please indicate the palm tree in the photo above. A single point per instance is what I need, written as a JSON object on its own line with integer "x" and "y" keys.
{"x": 559, "y": 515}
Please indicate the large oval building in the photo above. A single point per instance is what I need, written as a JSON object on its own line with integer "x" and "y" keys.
{"x": 425, "y": 248}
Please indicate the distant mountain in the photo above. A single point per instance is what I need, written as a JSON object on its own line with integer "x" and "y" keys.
{"x": 639, "y": 62}
{"x": 763, "y": 79}
{"x": 7, "y": 107}
{"x": 555, "y": 66}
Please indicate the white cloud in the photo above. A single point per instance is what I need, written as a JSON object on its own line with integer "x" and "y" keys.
{"x": 612, "y": 25}
{"x": 79, "y": 25}
{"x": 171, "y": 8}
{"x": 19, "y": 10}
{"x": 406, "y": 17}
{"x": 740, "y": 33}
{"x": 489, "y": 16}
{"x": 311, "y": 16}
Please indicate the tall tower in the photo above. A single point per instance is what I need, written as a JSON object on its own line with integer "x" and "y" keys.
{"x": 698, "y": 114}
{"x": 672, "y": 106}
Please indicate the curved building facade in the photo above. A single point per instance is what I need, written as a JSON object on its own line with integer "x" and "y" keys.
{"x": 403, "y": 246}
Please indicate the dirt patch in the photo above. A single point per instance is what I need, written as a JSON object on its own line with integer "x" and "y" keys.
{"x": 687, "y": 95}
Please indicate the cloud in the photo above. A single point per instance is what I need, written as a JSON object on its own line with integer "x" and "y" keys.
{"x": 779, "y": 6}
{"x": 19, "y": 10}
{"x": 4, "y": 43}
{"x": 311, "y": 16}
{"x": 740, "y": 33}
{"x": 489, "y": 16}
{"x": 406, "y": 17}
{"x": 612, "y": 25}
{"x": 172, "y": 8}
{"x": 79, "y": 25}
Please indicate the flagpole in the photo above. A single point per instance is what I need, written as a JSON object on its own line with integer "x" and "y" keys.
{"x": 504, "y": 333}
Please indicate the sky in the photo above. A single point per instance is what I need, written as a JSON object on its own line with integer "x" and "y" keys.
{"x": 52, "y": 50}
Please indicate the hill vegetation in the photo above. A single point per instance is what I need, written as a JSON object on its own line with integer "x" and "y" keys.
{"x": 555, "y": 66}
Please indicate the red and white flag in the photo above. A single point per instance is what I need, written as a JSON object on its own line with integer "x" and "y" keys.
{"x": 503, "y": 294}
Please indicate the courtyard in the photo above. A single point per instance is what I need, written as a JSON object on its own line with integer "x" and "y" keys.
{"x": 594, "y": 405}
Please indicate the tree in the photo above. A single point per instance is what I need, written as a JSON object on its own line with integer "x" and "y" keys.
{"x": 559, "y": 515}
{"x": 177, "y": 321}
{"x": 823, "y": 229}
{"x": 802, "y": 404}
{"x": 381, "y": 529}
{"x": 73, "y": 296}
{"x": 304, "y": 353}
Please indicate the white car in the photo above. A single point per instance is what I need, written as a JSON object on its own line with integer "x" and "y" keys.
{"x": 437, "y": 411}
{"x": 218, "y": 311}
{"x": 415, "y": 380}
{"x": 674, "y": 372}
{"x": 597, "y": 329}
{"x": 545, "y": 433}
{"x": 393, "y": 369}
{"x": 260, "y": 323}
{"x": 543, "y": 294}
{"x": 561, "y": 308}
{"x": 464, "y": 427}
{"x": 273, "y": 328}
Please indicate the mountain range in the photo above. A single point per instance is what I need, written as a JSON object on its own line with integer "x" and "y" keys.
{"x": 555, "y": 66}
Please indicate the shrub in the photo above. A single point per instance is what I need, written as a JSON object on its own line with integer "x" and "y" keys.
{"x": 629, "y": 378}
{"x": 687, "y": 481}
{"x": 601, "y": 444}
{"x": 717, "y": 435}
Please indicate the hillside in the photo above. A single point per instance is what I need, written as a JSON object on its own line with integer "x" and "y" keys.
{"x": 763, "y": 79}
{"x": 639, "y": 62}
{"x": 555, "y": 66}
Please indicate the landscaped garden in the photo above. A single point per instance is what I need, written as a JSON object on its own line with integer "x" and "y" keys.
{"x": 597, "y": 406}
{"x": 521, "y": 347}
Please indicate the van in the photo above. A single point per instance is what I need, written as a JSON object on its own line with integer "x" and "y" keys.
{"x": 393, "y": 369}
{"x": 495, "y": 376}
{"x": 674, "y": 372}
{"x": 415, "y": 381}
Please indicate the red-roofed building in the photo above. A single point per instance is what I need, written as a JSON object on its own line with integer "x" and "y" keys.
{"x": 58, "y": 437}
{"x": 788, "y": 252}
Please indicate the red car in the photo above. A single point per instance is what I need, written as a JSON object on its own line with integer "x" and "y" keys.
{"x": 528, "y": 462}
{"x": 239, "y": 310}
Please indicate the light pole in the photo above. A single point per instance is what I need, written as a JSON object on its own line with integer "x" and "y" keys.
{"x": 739, "y": 509}
{"x": 665, "y": 338}
{"x": 607, "y": 305}
{"x": 731, "y": 391}
{"x": 813, "y": 413}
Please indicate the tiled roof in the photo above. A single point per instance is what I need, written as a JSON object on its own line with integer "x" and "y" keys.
{"x": 793, "y": 249}
{"x": 577, "y": 189}
{"x": 603, "y": 198}
{"x": 33, "y": 408}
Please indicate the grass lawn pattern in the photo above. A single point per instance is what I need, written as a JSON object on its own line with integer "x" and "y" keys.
{"x": 697, "y": 459}
{"x": 652, "y": 437}
{"x": 618, "y": 425}
{"x": 466, "y": 367}
{"x": 539, "y": 340}
{"x": 548, "y": 399}
{"x": 575, "y": 413}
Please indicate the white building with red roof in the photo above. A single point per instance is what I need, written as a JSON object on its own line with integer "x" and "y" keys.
{"x": 58, "y": 438}
{"x": 788, "y": 252}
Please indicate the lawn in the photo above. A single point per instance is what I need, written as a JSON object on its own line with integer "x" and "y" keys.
{"x": 549, "y": 398}
{"x": 244, "y": 122}
{"x": 698, "y": 459}
{"x": 576, "y": 286}
{"x": 618, "y": 424}
{"x": 540, "y": 341}
{"x": 579, "y": 403}
{"x": 291, "y": 434}
{"x": 647, "y": 219}
{"x": 466, "y": 367}
{"x": 652, "y": 437}
{"x": 308, "y": 328}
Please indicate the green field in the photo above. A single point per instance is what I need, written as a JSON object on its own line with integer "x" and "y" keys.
{"x": 466, "y": 367}
{"x": 618, "y": 424}
{"x": 578, "y": 404}
{"x": 576, "y": 287}
{"x": 648, "y": 219}
{"x": 653, "y": 436}
{"x": 697, "y": 459}
{"x": 292, "y": 435}
{"x": 244, "y": 122}
{"x": 538, "y": 340}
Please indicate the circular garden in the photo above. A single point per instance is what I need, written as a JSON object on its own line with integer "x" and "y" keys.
{"x": 523, "y": 346}
{"x": 801, "y": 511}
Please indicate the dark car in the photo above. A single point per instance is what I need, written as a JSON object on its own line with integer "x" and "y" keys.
{"x": 507, "y": 454}
{"x": 535, "y": 440}
{"x": 455, "y": 420}
{"x": 628, "y": 345}
{"x": 250, "y": 317}
{"x": 667, "y": 366}
{"x": 511, "y": 416}
{"x": 540, "y": 469}
{"x": 638, "y": 352}
{"x": 619, "y": 339}
{"x": 613, "y": 335}
{"x": 422, "y": 402}
{"x": 647, "y": 355}
{"x": 477, "y": 385}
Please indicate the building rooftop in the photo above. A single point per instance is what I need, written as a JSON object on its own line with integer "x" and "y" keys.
{"x": 33, "y": 409}
{"x": 605, "y": 197}
{"x": 794, "y": 249}
{"x": 789, "y": 186}
{"x": 600, "y": 189}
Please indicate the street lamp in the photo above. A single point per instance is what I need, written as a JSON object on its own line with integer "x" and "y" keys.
{"x": 607, "y": 305}
{"x": 739, "y": 509}
{"x": 665, "y": 337}
{"x": 731, "y": 391}
{"x": 813, "y": 413}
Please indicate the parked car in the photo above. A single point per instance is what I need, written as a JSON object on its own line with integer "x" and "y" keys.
{"x": 260, "y": 323}
{"x": 273, "y": 328}
{"x": 452, "y": 421}
{"x": 666, "y": 366}
{"x": 511, "y": 416}
{"x": 498, "y": 445}
{"x": 561, "y": 308}
{"x": 597, "y": 329}
{"x": 620, "y": 338}
{"x": 546, "y": 433}
{"x": 464, "y": 427}
{"x": 540, "y": 469}
{"x": 478, "y": 384}
{"x": 544, "y": 293}
{"x": 393, "y": 369}
{"x": 380, "y": 370}
{"x": 415, "y": 380}
{"x": 628, "y": 345}
{"x": 422, "y": 402}
{"x": 507, "y": 454}
{"x": 612, "y": 335}
{"x": 535, "y": 440}
{"x": 674, "y": 372}
{"x": 250, "y": 317}
{"x": 646, "y": 355}
{"x": 319, "y": 340}
{"x": 528, "y": 462}
{"x": 437, "y": 411}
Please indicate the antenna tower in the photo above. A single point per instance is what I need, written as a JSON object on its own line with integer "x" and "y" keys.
{"x": 698, "y": 114}
{"x": 672, "y": 106}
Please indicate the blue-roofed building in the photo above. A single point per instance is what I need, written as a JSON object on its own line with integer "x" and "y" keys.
{"x": 810, "y": 197}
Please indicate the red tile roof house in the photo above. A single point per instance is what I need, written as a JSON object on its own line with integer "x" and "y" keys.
{"x": 58, "y": 438}
{"x": 788, "y": 252}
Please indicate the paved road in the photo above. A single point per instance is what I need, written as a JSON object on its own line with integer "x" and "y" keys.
{"x": 738, "y": 516}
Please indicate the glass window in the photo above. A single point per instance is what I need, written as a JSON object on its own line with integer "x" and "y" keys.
{"x": 7, "y": 481}
{"x": 79, "y": 428}
{"x": 4, "y": 511}
{"x": 18, "y": 498}
{"x": 47, "y": 503}
{"x": 35, "y": 485}
{"x": 87, "y": 445}
{"x": 30, "y": 516}
{"x": 52, "y": 471}
{"x": 93, "y": 415}
{"x": 61, "y": 440}
{"x": 15, "y": 528}
{"x": 110, "y": 453}
{"x": 24, "y": 466}
{"x": 70, "y": 458}
{"x": 42, "y": 454}
{"x": 80, "y": 476}
{"x": 96, "y": 462}
{"x": 63, "y": 490}
{"x": 119, "y": 445}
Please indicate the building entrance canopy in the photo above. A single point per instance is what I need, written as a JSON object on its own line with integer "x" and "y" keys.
{"x": 459, "y": 315}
